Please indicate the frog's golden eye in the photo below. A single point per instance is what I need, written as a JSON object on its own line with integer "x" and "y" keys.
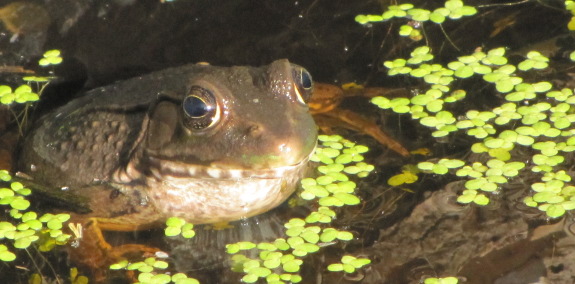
{"x": 303, "y": 83}
{"x": 201, "y": 109}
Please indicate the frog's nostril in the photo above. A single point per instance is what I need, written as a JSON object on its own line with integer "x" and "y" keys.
{"x": 254, "y": 130}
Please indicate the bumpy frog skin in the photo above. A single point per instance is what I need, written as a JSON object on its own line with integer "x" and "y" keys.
{"x": 200, "y": 142}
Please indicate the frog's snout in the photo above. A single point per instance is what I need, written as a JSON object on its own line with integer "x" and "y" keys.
{"x": 293, "y": 151}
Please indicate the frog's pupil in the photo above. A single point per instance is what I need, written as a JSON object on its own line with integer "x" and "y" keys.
{"x": 302, "y": 78}
{"x": 306, "y": 80}
{"x": 195, "y": 107}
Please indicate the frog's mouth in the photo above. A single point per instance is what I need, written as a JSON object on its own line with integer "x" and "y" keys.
{"x": 203, "y": 194}
{"x": 161, "y": 169}
{"x": 213, "y": 193}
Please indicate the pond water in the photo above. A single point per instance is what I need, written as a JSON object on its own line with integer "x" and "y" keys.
{"x": 410, "y": 232}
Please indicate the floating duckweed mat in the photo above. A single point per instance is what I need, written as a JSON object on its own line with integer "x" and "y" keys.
{"x": 532, "y": 117}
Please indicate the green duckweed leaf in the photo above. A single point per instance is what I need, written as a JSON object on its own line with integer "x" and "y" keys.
{"x": 328, "y": 235}
{"x": 419, "y": 15}
{"x": 434, "y": 106}
{"x": 346, "y": 198}
{"x": 120, "y": 265}
{"x": 464, "y": 72}
{"x": 248, "y": 278}
{"x": 292, "y": 266}
{"x": 172, "y": 231}
{"x": 335, "y": 267}
{"x": 6, "y": 255}
{"x": 555, "y": 211}
{"x": 360, "y": 262}
{"x": 481, "y": 199}
{"x": 20, "y": 203}
{"x": 344, "y": 236}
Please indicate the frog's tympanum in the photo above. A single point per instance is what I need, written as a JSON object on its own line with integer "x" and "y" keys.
{"x": 204, "y": 143}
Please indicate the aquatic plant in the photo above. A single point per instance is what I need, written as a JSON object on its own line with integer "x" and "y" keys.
{"x": 408, "y": 175}
{"x": 177, "y": 226}
{"x": 570, "y": 6}
{"x": 22, "y": 94}
{"x": 452, "y": 9}
{"x": 445, "y": 280}
{"x": 544, "y": 127}
{"x": 26, "y": 227}
{"x": 149, "y": 271}
{"x": 51, "y": 57}
{"x": 152, "y": 270}
{"x": 531, "y": 117}
{"x": 349, "y": 264}
{"x": 25, "y": 94}
{"x": 73, "y": 278}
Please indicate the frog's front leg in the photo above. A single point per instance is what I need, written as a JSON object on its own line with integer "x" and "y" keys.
{"x": 112, "y": 210}
{"x": 94, "y": 254}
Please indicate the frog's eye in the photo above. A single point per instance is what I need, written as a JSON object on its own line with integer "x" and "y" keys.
{"x": 303, "y": 83}
{"x": 201, "y": 109}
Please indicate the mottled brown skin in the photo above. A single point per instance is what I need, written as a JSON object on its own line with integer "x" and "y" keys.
{"x": 131, "y": 149}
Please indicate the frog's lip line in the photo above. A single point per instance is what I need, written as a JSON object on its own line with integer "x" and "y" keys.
{"x": 162, "y": 168}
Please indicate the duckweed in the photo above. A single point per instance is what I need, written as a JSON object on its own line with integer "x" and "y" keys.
{"x": 453, "y": 9}
{"x": 6, "y": 255}
{"x": 532, "y": 116}
{"x": 51, "y": 57}
{"x": 570, "y": 6}
{"x": 405, "y": 177}
{"x": 349, "y": 264}
{"x": 446, "y": 280}
{"x": 148, "y": 272}
{"x": 22, "y": 94}
{"x": 26, "y": 227}
{"x": 177, "y": 226}
{"x": 478, "y": 124}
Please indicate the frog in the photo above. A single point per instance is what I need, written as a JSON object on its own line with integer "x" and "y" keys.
{"x": 203, "y": 143}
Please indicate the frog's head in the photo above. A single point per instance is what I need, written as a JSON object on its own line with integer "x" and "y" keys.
{"x": 232, "y": 144}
